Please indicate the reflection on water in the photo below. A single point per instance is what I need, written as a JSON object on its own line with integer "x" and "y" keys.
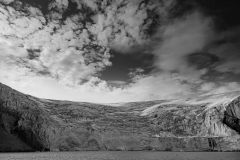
{"x": 121, "y": 155}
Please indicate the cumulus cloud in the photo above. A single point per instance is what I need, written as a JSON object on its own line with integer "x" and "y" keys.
{"x": 60, "y": 53}
{"x": 72, "y": 46}
{"x": 136, "y": 73}
{"x": 62, "y": 48}
{"x": 124, "y": 23}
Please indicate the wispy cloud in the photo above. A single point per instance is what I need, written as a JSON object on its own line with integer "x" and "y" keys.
{"x": 181, "y": 38}
{"x": 213, "y": 88}
{"x": 228, "y": 51}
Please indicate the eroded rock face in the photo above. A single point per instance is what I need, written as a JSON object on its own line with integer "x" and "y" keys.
{"x": 200, "y": 124}
{"x": 9, "y": 142}
{"x": 232, "y": 115}
{"x": 25, "y": 118}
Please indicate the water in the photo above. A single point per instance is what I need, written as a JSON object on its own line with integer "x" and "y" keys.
{"x": 121, "y": 155}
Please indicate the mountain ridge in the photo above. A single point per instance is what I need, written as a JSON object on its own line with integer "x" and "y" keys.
{"x": 203, "y": 123}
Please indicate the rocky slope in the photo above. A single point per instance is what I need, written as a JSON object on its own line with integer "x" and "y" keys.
{"x": 9, "y": 142}
{"x": 203, "y": 123}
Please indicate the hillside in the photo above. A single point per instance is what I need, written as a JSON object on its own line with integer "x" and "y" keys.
{"x": 9, "y": 142}
{"x": 204, "y": 123}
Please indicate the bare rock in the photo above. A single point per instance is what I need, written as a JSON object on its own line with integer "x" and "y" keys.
{"x": 205, "y": 123}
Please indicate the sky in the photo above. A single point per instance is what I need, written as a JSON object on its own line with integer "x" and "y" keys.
{"x": 109, "y": 51}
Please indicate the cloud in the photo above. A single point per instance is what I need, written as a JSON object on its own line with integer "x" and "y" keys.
{"x": 208, "y": 86}
{"x": 124, "y": 24}
{"x": 161, "y": 86}
{"x": 181, "y": 38}
{"x": 117, "y": 82}
{"x": 64, "y": 49}
{"x": 213, "y": 88}
{"x": 59, "y": 53}
{"x": 73, "y": 46}
{"x": 192, "y": 48}
{"x": 136, "y": 73}
{"x": 228, "y": 51}
{"x": 96, "y": 90}
{"x": 70, "y": 49}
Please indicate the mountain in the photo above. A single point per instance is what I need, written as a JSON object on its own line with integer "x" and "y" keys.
{"x": 203, "y": 123}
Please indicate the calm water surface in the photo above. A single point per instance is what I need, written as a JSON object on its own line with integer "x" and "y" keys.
{"x": 121, "y": 155}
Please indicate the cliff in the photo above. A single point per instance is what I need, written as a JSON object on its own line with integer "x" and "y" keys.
{"x": 204, "y": 123}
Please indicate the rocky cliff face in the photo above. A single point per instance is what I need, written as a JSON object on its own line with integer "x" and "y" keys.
{"x": 9, "y": 142}
{"x": 200, "y": 124}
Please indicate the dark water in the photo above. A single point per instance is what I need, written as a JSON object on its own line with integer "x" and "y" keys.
{"x": 121, "y": 155}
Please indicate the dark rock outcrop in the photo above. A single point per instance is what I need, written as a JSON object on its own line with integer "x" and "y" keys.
{"x": 9, "y": 142}
{"x": 232, "y": 122}
{"x": 203, "y": 123}
{"x": 232, "y": 115}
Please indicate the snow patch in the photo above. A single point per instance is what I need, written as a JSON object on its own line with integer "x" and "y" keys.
{"x": 113, "y": 104}
{"x": 210, "y": 102}
{"x": 150, "y": 110}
